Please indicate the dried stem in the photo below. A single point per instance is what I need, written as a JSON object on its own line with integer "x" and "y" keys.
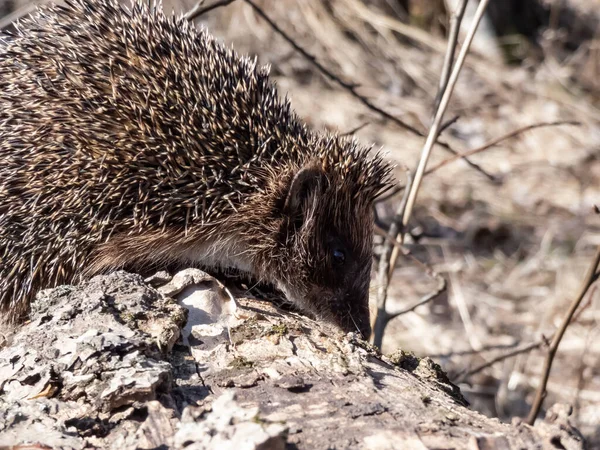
{"x": 500, "y": 139}
{"x": 384, "y": 272}
{"x": 435, "y": 128}
{"x": 531, "y": 346}
{"x": 355, "y": 129}
{"x": 442, "y": 286}
{"x": 200, "y": 9}
{"x": 592, "y": 275}
{"x": 397, "y": 230}
{"x": 455, "y": 22}
{"x": 518, "y": 351}
{"x": 484, "y": 147}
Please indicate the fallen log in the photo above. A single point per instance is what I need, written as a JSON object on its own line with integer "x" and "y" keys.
{"x": 118, "y": 364}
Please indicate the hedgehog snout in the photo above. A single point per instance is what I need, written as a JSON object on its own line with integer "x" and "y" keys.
{"x": 354, "y": 313}
{"x": 347, "y": 308}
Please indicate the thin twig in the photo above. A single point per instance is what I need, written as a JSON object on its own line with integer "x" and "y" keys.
{"x": 199, "y": 9}
{"x": 351, "y": 87}
{"x": 397, "y": 230}
{"x": 435, "y": 128}
{"x": 398, "y": 227}
{"x": 355, "y": 129}
{"x": 531, "y": 346}
{"x": 498, "y": 140}
{"x": 592, "y": 275}
{"x": 449, "y": 123}
{"x": 384, "y": 272}
{"x": 484, "y": 147}
{"x": 455, "y": 22}
{"x": 442, "y": 286}
{"x": 518, "y": 351}
{"x": 434, "y": 132}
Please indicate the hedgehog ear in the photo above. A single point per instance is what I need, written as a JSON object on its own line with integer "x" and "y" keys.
{"x": 308, "y": 180}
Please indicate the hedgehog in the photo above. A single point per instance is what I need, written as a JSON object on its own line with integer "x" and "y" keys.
{"x": 133, "y": 140}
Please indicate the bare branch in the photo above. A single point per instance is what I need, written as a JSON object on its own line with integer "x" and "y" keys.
{"x": 449, "y": 123}
{"x": 484, "y": 147}
{"x": 199, "y": 9}
{"x": 500, "y": 139}
{"x": 435, "y": 128}
{"x": 592, "y": 275}
{"x": 385, "y": 270}
{"x": 455, "y": 22}
{"x": 350, "y": 87}
{"x": 442, "y": 286}
{"x": 518, "y": 351}
{"x": 542, "y": 342}
{"x": 397, "y": 230}
{"x": 355, "y": 129}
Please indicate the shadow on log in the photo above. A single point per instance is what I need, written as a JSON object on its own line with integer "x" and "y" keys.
{"x": 118, "y": 364}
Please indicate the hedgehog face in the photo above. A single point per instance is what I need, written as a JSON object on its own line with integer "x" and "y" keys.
{"x": 331, "y": 245}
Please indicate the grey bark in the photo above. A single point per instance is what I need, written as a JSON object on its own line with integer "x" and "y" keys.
{"x": 113, "y": 364}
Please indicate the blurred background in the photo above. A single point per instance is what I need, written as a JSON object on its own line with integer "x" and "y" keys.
{"x": 514, "y": 245}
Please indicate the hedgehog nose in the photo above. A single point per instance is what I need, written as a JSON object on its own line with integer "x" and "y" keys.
{"x": 366, "y": 331}
{"x": 361, "y": 317}
{"x": 353, "y": 325}
{"x": 358, "y": 320}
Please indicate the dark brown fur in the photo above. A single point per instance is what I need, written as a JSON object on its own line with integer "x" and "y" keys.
{"x": 129, "y": 140}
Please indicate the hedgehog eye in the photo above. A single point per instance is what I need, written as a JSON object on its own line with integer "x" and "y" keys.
{"x": 339, "y": 257}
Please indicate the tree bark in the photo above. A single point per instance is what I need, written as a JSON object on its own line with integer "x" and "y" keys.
{"x": 113, "y": 364}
